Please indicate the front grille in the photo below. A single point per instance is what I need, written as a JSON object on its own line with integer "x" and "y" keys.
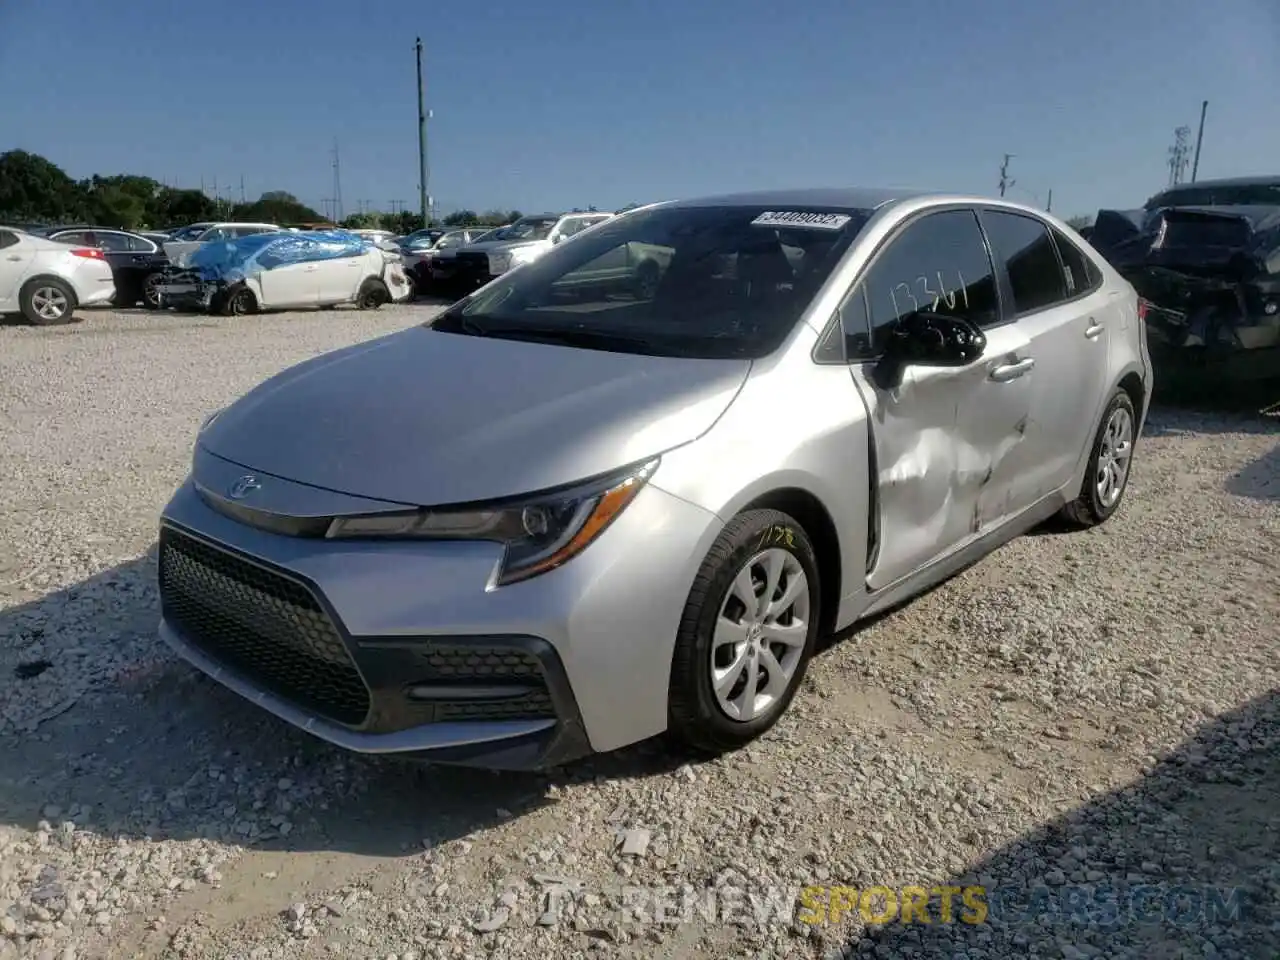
{"x": 260, "y": 624}
{"x": 489, "y": 666}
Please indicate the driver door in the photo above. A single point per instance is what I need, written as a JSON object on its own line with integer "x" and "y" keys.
{"x": 942, "y": 436}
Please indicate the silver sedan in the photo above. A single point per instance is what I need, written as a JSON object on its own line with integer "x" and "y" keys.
{"x": 576, "y": 510}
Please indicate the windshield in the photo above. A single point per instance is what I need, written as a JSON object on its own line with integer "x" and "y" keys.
{"x": 1238, "y": 195}
{"x": 534, "y": 228}
{"x": 705, "y": 282}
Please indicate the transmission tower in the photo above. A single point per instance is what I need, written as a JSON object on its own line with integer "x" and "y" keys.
{"x": 1005, "y": 182}
{"x": 1178, "y": 155}
{"x": 337, "y": 185}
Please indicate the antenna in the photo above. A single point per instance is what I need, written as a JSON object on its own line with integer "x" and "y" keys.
{"x": 1005, "y": 182}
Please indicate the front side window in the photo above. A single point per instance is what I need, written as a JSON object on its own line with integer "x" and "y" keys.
{"x": 7, "y": 239}
{"x": 707, "y": 282}
{"x": 938, "y": 264}
{"x": 217, "y": 233}
{"x": 1024, "y": 245}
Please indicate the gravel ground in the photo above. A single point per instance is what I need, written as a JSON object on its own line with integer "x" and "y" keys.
{"x": 1075, "y": 711}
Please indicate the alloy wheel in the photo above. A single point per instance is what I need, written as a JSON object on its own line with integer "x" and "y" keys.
{"x": 760, "y": 634}
{"x": 1114, "y": 456}
{"x": 49, "y": 303}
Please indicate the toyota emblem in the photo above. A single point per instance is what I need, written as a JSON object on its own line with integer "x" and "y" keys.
{"x": 243, "y": 487}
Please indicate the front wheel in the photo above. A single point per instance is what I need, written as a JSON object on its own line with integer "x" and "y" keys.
{"x": 151, "y": 298}
{"x": 747, "y": 633}
{"x": 240, "y": 302}
{"x": 1107, "y": 478}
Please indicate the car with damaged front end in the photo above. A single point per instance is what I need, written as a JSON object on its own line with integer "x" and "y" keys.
{"x": 574, "y": 511}
{"x": 281, "y": 271}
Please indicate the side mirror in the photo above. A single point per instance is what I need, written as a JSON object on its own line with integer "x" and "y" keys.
{"x": 929, "y": 340}
{"x": 936, "y": 340}
{"x": 557, "y": 238}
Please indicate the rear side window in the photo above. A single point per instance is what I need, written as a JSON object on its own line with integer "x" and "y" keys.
{"x": 114, "y": 242}
{"x": 7, "y": 239}
{"x": 1025, "y": 247}
{"x": 1082, "y": 274}
{"x": 71, "y": 236}
{"x": 938, "y": 264}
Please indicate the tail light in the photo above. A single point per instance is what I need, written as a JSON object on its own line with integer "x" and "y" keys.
{"x": 1142, "y": 308}
{"x": 88, "y": 253}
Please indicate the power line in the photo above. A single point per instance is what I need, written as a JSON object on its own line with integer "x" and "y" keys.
{"x": 1005, "y": 182}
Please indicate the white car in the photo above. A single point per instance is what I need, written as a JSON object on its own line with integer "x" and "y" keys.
{"x": 284, "y": 271}
{"x": 179, "y": 251}
{"x": 46, "y": 280}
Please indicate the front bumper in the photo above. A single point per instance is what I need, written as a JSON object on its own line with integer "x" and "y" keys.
{"x": 397, "y": 648}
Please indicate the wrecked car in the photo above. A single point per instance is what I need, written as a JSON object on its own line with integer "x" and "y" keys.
{"x": 278, "y": 271}
{"x": 1211, "y": 277}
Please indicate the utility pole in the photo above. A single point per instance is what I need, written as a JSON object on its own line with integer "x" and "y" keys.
{"x": 242, "y": 196}
{"x": 1195, "y": 165}
{"x": 337, "y": 185}
{"x": 1048, "y": 207}
{"x": 422, "y": 140}
{"x": 1178, "y": 155}
{"x": 1005, "y": 182}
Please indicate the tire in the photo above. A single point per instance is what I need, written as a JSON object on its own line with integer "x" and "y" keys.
{"x": 240, "y": 302}
{"x": 372, "y": 295}
{"x": 645, "y": 283}
{"x": 697, "y": 717}
{"x": 47, "y": 301}
{"x": 150, "y": 295}
{"x": 1098, "y": 501}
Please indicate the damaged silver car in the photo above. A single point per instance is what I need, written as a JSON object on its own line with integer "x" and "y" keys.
{"x": 624, "y": 487}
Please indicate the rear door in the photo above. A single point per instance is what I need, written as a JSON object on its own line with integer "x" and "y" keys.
{"x": 1065, "y": 317}
{"x": 944, "y": 438}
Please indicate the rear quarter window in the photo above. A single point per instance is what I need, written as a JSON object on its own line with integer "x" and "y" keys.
{"x": 1082, "y": 274}
{"x": 1027, "y": 250}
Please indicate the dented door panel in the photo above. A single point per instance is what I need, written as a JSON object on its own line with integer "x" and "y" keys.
{"x": 948, "y": 443}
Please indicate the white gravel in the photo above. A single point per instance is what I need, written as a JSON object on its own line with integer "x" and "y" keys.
{"x": 1076, "y": 710}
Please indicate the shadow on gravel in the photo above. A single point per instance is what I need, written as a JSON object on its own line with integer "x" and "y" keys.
{"x": 155, "y": 749}
{"x": 1165, "y": 420}
{"x": 1186, "y": 857}
{"x": 1260, "y": 480}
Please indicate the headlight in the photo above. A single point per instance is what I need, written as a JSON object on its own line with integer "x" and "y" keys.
{"x": 505, "y": 260}
{"x": 499, "y": 263}
{"x": 539, "y": 533}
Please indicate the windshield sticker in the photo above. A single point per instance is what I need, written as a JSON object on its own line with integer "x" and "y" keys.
{"x": 796, "y": 218}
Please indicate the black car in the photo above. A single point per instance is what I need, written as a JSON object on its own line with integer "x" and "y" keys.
{"x": 136, "y": 261}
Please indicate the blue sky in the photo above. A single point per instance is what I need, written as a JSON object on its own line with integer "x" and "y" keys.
{"x": 566, "y": 103}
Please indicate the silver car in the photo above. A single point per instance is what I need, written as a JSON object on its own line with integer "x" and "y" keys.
{"x": 575, "y": 510}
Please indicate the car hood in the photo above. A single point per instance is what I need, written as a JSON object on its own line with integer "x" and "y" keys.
{"x": 430, "y": 418}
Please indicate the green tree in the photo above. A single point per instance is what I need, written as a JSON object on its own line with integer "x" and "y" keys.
{"x": 32, "y": 189}
{"x": 275, "y": 206}
{"x": 461, "y": 218}
{"x": 177, "y": 208}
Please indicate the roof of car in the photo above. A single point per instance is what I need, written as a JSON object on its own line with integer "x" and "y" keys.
{"x": 1226, "y": 182}
{"x": 854, "y": 198}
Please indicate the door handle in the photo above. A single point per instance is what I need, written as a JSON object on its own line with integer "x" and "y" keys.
{"x": 1094, "y": 328}
{"x": 1012, "y": 371}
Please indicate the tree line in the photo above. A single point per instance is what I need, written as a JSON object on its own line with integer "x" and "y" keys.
{"x": 34, "y": 190}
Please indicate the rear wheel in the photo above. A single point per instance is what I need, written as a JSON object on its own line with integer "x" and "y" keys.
{"x": 372, "y": 295}
{"x": 747, "y": 633}
{"x": 1107, "y": 477}
{"x": 45, "y": 302}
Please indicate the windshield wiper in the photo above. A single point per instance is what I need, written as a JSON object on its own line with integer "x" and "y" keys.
{"x": 568, "y": 336}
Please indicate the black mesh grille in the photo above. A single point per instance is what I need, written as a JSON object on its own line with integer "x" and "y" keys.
{"x": 260, "y": 624}
{"x": 488, "y": 666}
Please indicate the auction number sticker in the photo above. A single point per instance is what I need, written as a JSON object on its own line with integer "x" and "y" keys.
{"x": 799, "y": 218}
